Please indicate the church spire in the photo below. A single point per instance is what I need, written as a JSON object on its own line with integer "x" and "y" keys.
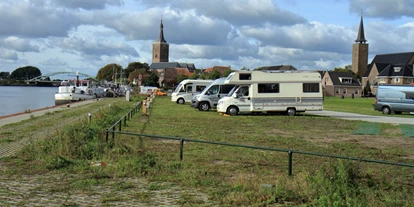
{"x": 361, "y": 35}
{"x": 161, "y": 37}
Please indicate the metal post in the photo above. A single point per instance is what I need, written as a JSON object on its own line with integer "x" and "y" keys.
{"x": 89, "y": 118}
{"x": 181, "y": 149}
{"x": 120, "y": 125}
{"x": 107, "y": 135}
{"x": 290, "y": 163}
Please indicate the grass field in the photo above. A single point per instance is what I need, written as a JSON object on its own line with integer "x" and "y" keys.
{"x": 234, "y": 176}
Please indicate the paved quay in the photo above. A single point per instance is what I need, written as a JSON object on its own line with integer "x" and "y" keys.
{"x": 361, "y": 117}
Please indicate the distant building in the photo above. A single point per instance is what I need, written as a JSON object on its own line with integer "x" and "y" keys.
{"x": 220, "y": 69}
{"x": 160, "y": 48}
{"x": 341, "y": 84}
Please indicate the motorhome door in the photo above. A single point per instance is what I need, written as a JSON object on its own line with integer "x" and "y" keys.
{"x": 243, "y": 100}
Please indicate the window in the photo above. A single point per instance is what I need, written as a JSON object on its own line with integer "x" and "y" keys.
{"x": 346, "y": 80}
{"x": 199, "y": 88}
{"x": 268, "y": 88}
{"x": 243, "y": 91}
{"x": 396, "y": 80}
{"x": 310, "y": 88}
{"x": 409, "y": 80}
{"x": 344, "y": 90}
{"x": 213, "y": 90}
{"x": 225, "y": 89}
{"x": 356, "y": 91}
{"x": 382, "y": 80}
{"x": 337, "y": 90}
{"x": 189, "y": 88}
{"x": 245, "y": 76}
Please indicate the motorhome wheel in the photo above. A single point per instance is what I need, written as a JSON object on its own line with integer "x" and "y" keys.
{"x": 232, "y": 110}
{"x": 291, "y": 111}
{"x": 204, "y": 106}
{"x": 180, "y": 101}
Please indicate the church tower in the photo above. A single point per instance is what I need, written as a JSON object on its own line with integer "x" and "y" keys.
{"x": 160, "y": 48}
{"x": 360, "y": 52}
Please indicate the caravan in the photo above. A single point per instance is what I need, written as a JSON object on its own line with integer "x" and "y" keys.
{"x": 288, "y": 92}
{"x": 209, "y": 97}
{"x": 186, "y": 89}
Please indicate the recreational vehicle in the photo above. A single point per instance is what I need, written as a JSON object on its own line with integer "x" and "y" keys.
{"x": 394, "y": 98}
{"x": 208, "y": 98}
{"x": 269, "y": 92}
{"x": 186, "y": 89}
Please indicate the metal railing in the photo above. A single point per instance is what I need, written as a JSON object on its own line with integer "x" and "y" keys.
{"x": 124, "y": 119}
{"x": 289, "y": 151}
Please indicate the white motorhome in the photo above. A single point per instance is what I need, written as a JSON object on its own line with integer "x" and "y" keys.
{"x": 209, "y": 97}
{"x": 186, "y": 89}
{"x": 288, "y": 92}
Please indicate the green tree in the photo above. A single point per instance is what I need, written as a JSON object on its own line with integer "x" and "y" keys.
{"x": 346, "y": 69}
{"x": 214, "y": 74}
{"x": 181, "y": 78}
{"x": 25, "y": 73}
{"x": 108, "y": 72}
{"x": 194, "y": 76}
{"x": 226, "y": 73}
{"x": 135, "y": 66}
{"x": 244, "y": 68}
{"x": 4, "y": 75}
{"x": 151, "y": 79}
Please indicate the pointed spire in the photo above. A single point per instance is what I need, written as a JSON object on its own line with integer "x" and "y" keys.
{"x": 361, "y": 35}
{"x": 161, "y": 37}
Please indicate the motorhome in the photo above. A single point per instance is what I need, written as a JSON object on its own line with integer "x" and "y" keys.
{"x": 288, "y": 92}
{"x": 394, "y": 98}
{"x": 209, "y": 97}
{"x": 186, "y": 89}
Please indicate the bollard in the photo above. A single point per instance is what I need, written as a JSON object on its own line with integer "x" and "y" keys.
{"x": 89, "y": 118}
{"x": 144, "y": 107}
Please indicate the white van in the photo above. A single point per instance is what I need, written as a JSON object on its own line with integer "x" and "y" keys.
{"x": 288, "y": 92}
{"x": 186, "y": 89}
{"x": 209, "y": 97}
{"x": 394, "y": 98}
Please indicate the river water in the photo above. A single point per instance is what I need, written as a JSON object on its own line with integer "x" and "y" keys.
{"x": 16, "y": 99}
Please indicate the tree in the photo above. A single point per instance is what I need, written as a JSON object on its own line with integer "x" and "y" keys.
{"x": 4, "y": 75}
{"x": 367, "y": 89}
{"x": 347, "y": 69}
{"x": 181, "y": 78}
{"x": 134, "y": 66}
{"x": 151, "y": 80}
{"x": 108, "y": 72}
{"x": 226, "y": 73}
{"x": 244, "y": 68}
{"x": 25, "y": 73}
{"x": 214, "y": 74}
{"x": 194, "y": 76}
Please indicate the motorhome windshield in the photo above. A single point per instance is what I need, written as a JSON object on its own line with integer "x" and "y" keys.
{"x": 232, "y": 91}
{"x": 178, "y": 88}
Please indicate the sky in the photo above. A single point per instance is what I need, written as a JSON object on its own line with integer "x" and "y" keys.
{"x": 86, "y": 35}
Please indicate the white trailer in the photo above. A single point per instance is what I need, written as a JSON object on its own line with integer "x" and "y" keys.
{"x": 187, "y": 88}
{"x": 288, "y": 92}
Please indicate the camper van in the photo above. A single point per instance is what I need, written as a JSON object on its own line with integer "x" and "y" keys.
{"x": 394, "y": 98}
{"x": 186, "y": 89}
{"x": 288, "y": 92}
{"x": 208, "y": 98}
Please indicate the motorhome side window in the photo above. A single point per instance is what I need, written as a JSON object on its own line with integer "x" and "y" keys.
{"x": 409, "y": 95}
{"x": 213, "y": 89}
{"x": 311, "y": 88}
{"x": 245, "y": 76}
{"x": 268, "y": 88}
{"x": 189, "y": 88}
{"x": 200, "y": 88}
{"x": 225, "y": 89}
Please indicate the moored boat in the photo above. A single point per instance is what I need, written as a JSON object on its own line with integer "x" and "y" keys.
{"x": 77, "y": 90}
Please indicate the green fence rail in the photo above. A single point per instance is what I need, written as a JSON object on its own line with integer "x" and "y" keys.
{"x": 123, "y": 119}
{"x": 290, "y": 152}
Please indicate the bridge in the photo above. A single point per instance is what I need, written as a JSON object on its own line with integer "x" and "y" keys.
{"x": 44, "y": 80}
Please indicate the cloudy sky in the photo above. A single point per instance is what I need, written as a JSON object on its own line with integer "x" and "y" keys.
{"x": 85, "y": 35}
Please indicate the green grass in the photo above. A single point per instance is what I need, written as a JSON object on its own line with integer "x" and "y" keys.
{"x": 368, "y": 128}
{"x": 231, "y": 176}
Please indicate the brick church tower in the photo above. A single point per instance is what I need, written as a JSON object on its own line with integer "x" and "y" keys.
{"x": 160, "y": 48}
{"x": 360, "y": 52}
